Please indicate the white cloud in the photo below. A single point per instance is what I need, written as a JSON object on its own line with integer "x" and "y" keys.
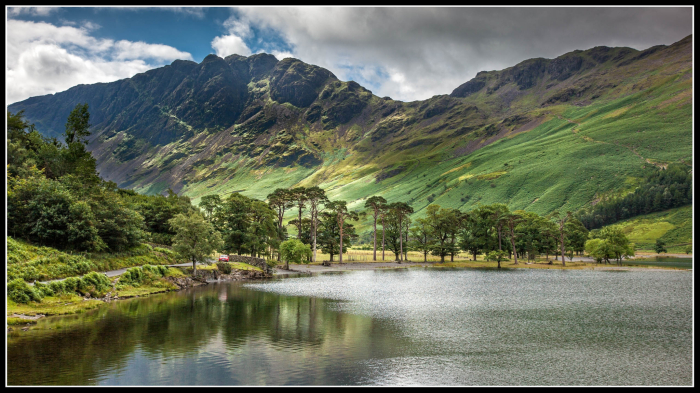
{"x": 230, "y": 44}
{"x": 280, "y": 55}
{"x": 42, "y": 58}
{"x": 33, "y": 11}
{"x": 237, "y": 27}
{"x": 233, "y": 42}
{"x": 140, "y": 50}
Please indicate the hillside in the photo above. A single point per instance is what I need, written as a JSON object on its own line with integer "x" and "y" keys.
{"x": 542, "y": 135}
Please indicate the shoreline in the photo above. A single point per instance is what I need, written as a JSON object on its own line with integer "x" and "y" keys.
{"x": 355, "y": 266}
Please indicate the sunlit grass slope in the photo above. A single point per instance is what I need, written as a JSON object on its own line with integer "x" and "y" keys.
{"x": 674, "y": 227}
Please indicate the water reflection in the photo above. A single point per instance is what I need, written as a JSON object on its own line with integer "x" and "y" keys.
{"x": 413, "y": 326}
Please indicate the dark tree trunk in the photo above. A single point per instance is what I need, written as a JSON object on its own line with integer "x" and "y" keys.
{"x": 374, "y": 258}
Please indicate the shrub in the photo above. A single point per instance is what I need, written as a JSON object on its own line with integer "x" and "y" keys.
{"x": 689, "y": 249}
{"x": 57, "y": 287}
{"x": 95, "y": 284}
{"x": 142, "y": 275}
{"x": 133, "y": 276}
{"x": 224, "y": 267}
{"x": 158, "y": 270}
{"x": 70, "y": 284}
{"x": 20, "y": 292}
{"x": 44, "y": 289}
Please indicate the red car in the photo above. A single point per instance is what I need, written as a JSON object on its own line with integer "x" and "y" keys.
{"x": 223, "y": 258}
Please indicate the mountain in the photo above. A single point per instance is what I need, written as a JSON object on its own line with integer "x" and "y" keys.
{"x": 542, "y": 135}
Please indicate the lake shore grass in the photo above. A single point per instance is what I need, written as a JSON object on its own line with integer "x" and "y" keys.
{"x": 23, "y": 313}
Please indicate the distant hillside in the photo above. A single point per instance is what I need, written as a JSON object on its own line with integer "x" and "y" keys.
{"x": 542, "y": 135}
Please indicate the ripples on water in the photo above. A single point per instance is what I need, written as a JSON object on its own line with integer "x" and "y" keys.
{"x": 526, "y": 327}
{"x": 402, "y": 327}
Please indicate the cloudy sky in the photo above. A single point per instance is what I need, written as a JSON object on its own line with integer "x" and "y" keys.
{"x": 405, "y": 53}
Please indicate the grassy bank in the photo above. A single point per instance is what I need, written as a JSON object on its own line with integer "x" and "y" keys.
{"x": 38, "y": 263}
{"x": 137, "y": 281}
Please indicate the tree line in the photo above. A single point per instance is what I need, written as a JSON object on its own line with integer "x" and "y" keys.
{"x": 251, "y": 226}
{"x": 660, "y": 190}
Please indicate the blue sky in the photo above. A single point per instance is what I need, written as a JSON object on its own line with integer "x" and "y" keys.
{"x": 406, "y": 53}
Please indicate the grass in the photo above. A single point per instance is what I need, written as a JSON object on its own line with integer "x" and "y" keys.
{"x": 673, "y": 226}
{"x": 158, "y": 286}
{"x": 32, "y": 262}
{"x": 14, "y": 321}
{"x": 53, "y": 305}
{"x": 243, "y": 266}
{"x": 71, "y": 304}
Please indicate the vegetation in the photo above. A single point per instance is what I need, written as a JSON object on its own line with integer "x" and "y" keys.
{"x": 195, "y": 238}
{"x": 294, "y": 251}
{"x": 661, "y": 190}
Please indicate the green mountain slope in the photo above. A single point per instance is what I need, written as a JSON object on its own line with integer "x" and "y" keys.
{"x": 542, "y": 135}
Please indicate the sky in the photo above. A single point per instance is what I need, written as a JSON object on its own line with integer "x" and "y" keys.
{"x": 406, "y": 53}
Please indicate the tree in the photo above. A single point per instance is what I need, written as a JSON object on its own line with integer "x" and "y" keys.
{"x": 298, "y": 195}
{"x": 382, "y": 217}
{"x": 280, "y": 200}
{"x": 294, "y": 251}
{"x": 235, "y": 219}
{"x": 77, "y": 125}
{"x": 512, "y": 220}
{"x": 481, "y": 228}
{"x": 262, "y": 231}
{"x": 444, "y": 225}
{"x": 468, "y": 240}
{"x": 577, "y": 234}
{"x": 329, "y": 234}
{"x": 315, "y": 197}
{"x": 402, "y": 210}
{"x": 118, "y": 225}
{"x": 210, "y": 203}
{"x": 561, "y": 222}
{"x": 660, "y": 246}
{"x": 339, "y": 209}
{"x": 421, "y": 237}
{"x": 499, "y": 217}
{"x": 599, "y": 250}
{"x": 375, "y": 204}
{"x": 616, "y": 244}
{"x": 195, "y": 238}
{"x": 497, "y": 256}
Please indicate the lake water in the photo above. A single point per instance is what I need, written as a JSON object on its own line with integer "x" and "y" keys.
{"x": 398, "y": 327}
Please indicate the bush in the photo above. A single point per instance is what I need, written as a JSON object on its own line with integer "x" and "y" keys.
{"x": 142, "y": 275}
{"x": 44, "y": 289}
{"x": 20, "y": 292}
{"x": 157, "y": 271}
{"x": 70, "y": 284}
{"x": 689, "y": 249}
{"x": 94, "y": 284}
{"x": 58, "y": 287}
{"x": 224, "y": 267}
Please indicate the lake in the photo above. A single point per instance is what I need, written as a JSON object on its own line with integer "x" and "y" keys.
{"x": 383, "y": 327}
